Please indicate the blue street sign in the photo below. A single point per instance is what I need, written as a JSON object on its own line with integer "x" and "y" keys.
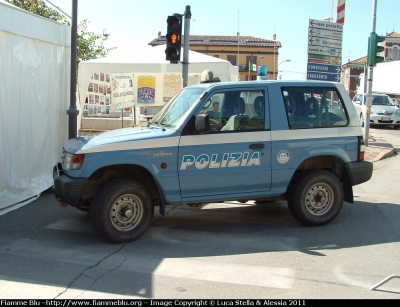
{"x": 323, "y": 76}
{"x": 333, "y": 69}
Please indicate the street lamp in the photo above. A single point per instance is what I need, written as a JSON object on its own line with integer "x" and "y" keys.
{"x": 276, "y": 76}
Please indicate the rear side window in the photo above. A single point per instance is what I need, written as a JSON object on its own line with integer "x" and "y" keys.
{"x": 314, "y": 108}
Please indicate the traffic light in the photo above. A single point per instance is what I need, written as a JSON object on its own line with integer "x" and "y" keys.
{"x": 374, "y": 49}
{"x": 174, "y": 34}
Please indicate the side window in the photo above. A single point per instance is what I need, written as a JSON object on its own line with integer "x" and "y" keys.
{"x": 314, "y": 108}
{"x": 236, "y": 111}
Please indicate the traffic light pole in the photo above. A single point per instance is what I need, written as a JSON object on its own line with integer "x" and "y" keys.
{"x": 73, "y": 112}
{"x": 369, "y": 83}
{"x": 185, "y": 62}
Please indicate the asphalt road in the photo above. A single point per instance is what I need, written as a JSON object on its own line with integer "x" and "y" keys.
{"x": 229, "y": 250}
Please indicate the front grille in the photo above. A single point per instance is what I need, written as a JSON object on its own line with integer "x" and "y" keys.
{"x": 385, "y": 121}
{"x": 385, "y": 114}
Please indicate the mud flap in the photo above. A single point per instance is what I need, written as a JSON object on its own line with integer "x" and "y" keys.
{"x": 162, "y": 202}
{"x": 348, "y": 190}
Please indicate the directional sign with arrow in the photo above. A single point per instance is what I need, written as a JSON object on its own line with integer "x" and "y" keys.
{"x": 325, "y": 34}
{"x": 324, "y": 42}
{"x": 319, "y": 24}
{"x": 323, "y": 76}
{"x": 324, "y": 59}
{"x": 324, "y": 68}
{"x": 324, "y": 50}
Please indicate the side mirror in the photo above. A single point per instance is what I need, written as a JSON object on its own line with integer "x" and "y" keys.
{"x": 202, "y": 123}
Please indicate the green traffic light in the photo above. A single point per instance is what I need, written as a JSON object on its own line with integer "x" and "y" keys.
{"x": 374, "y": 49}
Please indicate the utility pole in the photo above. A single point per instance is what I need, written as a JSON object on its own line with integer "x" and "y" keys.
{"x": 73, "y": 112}
{"x": 185, "y": 62}
{"x": 370, "y": 77}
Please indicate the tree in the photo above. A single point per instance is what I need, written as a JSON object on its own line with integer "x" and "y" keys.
{"x": 90, "y": 45}
{"x": 38, "y": 7}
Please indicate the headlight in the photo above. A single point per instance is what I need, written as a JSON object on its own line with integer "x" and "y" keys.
{"x": 72, "y": 161}
{"x": 372, "y": 111}
{"x": 397, "y": 112}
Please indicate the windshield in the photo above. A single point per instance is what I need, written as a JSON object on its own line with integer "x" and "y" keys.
{"x": 382, "y": 100}
{"x": 177, "y": 107}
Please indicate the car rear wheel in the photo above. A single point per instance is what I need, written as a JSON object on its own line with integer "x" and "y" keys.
{"x": 122, "y": 210}
{"x": 315, "y": 197}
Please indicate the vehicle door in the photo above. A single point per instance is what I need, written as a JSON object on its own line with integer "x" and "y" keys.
{"x": 233, "y": 158}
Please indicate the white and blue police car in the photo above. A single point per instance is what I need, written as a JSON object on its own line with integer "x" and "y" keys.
{"x": 299, "y": 141}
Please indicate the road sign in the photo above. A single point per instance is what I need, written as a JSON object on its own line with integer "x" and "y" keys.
{"x": 324, "y": 59}
{"x": 332, "y": 69}
{"x": 324, "y": 42}
{"x": 325, "y": 34}
{"x": 323, "y": 76}
{"x": 324, "y": 50}
{"x": 319, "y": 24}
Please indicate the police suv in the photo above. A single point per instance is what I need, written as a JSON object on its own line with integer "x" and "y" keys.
{"x": 299, "y": 141}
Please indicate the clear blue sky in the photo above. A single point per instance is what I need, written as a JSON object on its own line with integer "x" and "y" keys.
{"x": 134, "y": 23}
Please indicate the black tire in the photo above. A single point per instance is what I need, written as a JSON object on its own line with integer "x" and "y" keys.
{"x": 121, "y": 210}
{"x": 315, "y": 197}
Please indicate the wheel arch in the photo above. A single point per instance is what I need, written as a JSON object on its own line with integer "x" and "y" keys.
{"x": 106, "y": 173}
{"x": 332, "y": 163}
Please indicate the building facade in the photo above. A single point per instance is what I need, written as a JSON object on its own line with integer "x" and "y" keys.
{"x": 392, "y": 46}
{"x": 238, "y": 50}
{"x": 350, "y": 74}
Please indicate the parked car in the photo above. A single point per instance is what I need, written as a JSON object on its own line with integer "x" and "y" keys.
{"x": 383, "y": 110}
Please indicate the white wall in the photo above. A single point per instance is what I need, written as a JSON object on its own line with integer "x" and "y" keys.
{"x": 34, "y": 97}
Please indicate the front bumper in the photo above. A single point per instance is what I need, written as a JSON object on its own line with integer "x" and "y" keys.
{"x": 66, "y": 189}
{"x": 384, "y": 120}
{"x": 360, "y": 171}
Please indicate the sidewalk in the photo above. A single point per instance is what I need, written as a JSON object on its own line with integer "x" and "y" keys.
{"x": 378, "y": 149}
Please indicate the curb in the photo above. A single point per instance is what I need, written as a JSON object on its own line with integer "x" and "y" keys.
{"x": 378, "y": 149}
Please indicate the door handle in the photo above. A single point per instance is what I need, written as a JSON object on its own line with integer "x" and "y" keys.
{"x": 256, "y": 146}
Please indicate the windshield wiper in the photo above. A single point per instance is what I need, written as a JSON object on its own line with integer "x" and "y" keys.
{"x": 161, "y": 125}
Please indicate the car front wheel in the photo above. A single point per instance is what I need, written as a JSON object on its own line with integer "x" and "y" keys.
{"x": 122, "y": 210}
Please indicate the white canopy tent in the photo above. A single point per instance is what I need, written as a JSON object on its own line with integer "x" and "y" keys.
{"x": 151, "y": 60}
{"x": 34, "y": 95}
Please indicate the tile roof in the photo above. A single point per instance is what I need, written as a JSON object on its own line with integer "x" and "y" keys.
{"x": 207, "y": 40}
{"x": 359, "y": 61}
{"x": 393, "y": 34}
